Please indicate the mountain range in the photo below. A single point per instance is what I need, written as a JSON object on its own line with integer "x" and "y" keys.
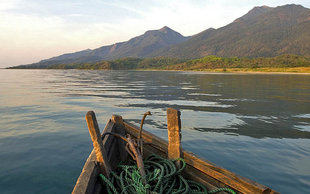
{"x": 262, "y": 32}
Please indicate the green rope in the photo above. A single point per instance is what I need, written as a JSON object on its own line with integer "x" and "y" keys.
{"x": 222, "y": 189}
{"x": 109, "y": 183}
{"x": 162, "y": 177}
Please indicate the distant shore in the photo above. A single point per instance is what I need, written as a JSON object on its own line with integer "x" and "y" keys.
{"x": 284, "y": 63}
{"x": 289, "y": 70}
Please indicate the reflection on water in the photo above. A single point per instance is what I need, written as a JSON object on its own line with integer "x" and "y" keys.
{"x": 251, "y": 124}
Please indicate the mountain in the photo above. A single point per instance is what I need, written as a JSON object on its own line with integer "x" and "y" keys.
{"x": 262, "y": 32}
{"x": 139, "y": 47}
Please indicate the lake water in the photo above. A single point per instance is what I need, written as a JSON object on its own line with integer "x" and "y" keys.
{"x": 255, "y": 125}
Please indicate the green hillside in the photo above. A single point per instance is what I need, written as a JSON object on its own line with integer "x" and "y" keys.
{"x": 209, "y": 63}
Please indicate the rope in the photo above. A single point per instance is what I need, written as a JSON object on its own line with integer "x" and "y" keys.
{"x": 162, "y": 177}
{"x": 109, "y": 183}
{"x": 222, "y": 189}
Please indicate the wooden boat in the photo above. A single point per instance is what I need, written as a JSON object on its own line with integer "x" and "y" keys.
{"x": 109, "y": 151}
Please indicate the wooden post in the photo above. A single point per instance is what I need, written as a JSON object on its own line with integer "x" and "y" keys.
{"x": 174, "y": 134}
{"x": 94, "y": 132}
{"x": 138, "y": 158}
{"x": 120, "y": 129}
{"x": 117, "y": 119}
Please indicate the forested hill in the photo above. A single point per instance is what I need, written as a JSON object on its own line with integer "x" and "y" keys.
{"x": 209, "y": 63}
{"x": 262, "y": 32}
{"x": 140, "y": 46}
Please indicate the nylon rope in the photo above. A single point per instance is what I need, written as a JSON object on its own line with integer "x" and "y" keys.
{"x": 162, "y": 177}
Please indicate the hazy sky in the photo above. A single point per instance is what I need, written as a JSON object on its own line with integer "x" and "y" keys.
{"x": 32, "y": 30}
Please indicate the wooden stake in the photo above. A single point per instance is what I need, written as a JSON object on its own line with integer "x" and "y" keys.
{"x": 138, "y": 158}
{"x": 97, "y": 143}
{"x": 136, "y": 153}
{"x": 117, "y": 119}
{"x": 174, "y": 134}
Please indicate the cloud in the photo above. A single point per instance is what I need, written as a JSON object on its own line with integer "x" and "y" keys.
{"x": 7, "y": 5}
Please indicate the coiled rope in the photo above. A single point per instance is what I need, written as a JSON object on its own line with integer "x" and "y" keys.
{"x": 162, "y": 177}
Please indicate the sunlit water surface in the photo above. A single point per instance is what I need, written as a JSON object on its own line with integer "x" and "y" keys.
{"x": 255, "y": 125}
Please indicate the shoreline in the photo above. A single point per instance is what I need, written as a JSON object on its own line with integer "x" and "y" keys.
{"x": 291, "y": 70}
{"x": 288, "y": 71}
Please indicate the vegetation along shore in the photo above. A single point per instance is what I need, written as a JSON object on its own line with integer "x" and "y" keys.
{"x": 283, "y": 63}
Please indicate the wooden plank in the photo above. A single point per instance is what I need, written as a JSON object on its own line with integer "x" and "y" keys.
{"x": 138, "y": 158}
{"x": 110, "y": 145}
{"x": 150, "y": 149}
{"x": 117, "y": 119}
{"x": 120, "y": 144}
{"x": 109, "y": 128}
{"x": 230, "y": 179}
{"x": 192, "y": 175}
{"x": 89, "y": 174}
{"x": 174, "y": 134}
{"x": 123, "y": 154}
{"x": 86, "y": 182}
{"x": 100, "y": 151}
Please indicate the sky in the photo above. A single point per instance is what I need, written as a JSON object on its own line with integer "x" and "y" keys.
{"x": 32, "y": 30}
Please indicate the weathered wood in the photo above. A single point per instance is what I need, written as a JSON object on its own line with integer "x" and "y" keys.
{"x": 88, "y": 176}
{"x": 141, "y": 126}
{"x": 224, "y": 176}
{"x": 192, "y": 173}
{"x": 86, "y": 182}
{"x": 117, "y": 119}
{"x": 123, "y": 154}
{"x": 138, "y": 158}
{"x": 174, "y": 134}
{"x": 119, "y": 128}
{"x": 94, "y": 132}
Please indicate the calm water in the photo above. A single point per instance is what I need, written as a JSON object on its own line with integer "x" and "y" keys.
{"x": 257, "y": 126}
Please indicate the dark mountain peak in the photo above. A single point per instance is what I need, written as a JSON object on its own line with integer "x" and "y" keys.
{"x": 165, "y": 29}
{"x": 164, "y": 35}
{"x": 139, "y": 46}
{"x": 258, "y": 10}
{"x": 209, "y": 30}
{"x": 261, "y": 8}
{"x": 204, "y": 34}
{"x": 255, "y": 12}
{"x": 291, "y": 6}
